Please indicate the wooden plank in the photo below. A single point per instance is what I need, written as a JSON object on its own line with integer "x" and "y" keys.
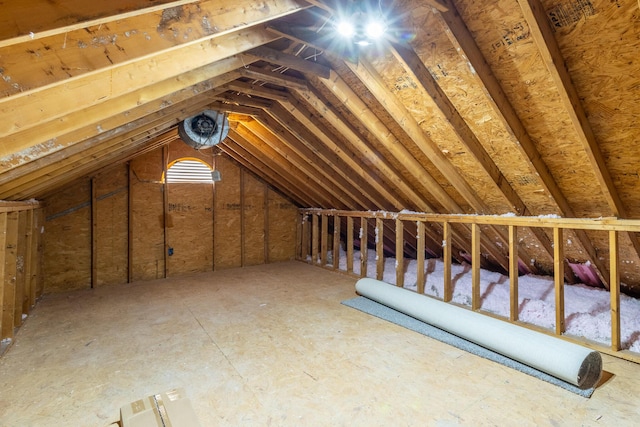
{"x": 268, "y": 76}
{"x": 358, "y": 108}
{"x": 93, "y": 125}
{"x": 350, "y": 244}
{"x": 465, "y": 45}
{"x": 446, "y": 257}
{"x": 31, "y": 261}
{"x": 313, "y": 136}
{"x": 305, "y": 238}
{"x": 544, "y": 37}
{"x": 9, "y": 279}
{"x": 60, "y": 100}
{"x": 420, "y": 239}
{"x": 3, "y": 252}
{"x": 315, "y": 238}
{"x": 513, "y": 273}
{"x": 351, "y": 100}
{"x": 45, "y": 18}
{"x": 475, "y": 267}
{"x": 20, "y": 294}
{"x": 271, "y": 170}
{"x": 418, "y": 70}
{"x": 379, "y": 248}
{"x": 298, "y": 146}
{"x": 399, "y": 253}
{"x": 290, "y": 61}
{"x": 262, "y": 147}
{"x": 352, "y": 166}
{"x": 364, "y": 250}
{"x": 336, "y": 242}
{"x": 39, "y": 279}
{"x": 324, "y": 237}
{"x": 614, "y": 289}
{"x": 558, "y": 274}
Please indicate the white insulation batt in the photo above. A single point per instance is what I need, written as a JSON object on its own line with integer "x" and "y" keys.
{"x": 572, "y": 363}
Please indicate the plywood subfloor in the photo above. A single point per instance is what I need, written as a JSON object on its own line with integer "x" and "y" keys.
{"x": 270, "y": 345}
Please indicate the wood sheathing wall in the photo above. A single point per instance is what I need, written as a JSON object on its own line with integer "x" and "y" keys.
{"x": 117, "y": 226}
{"x": 20, "y": 265}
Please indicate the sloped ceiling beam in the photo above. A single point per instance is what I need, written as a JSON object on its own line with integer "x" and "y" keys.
{"x": 459, "y": 35}
{"x": 92, "y": 150}
{"x": 290, "y": 61}
{"x": 26, "y": 20}
{"x": 108, "y": 116}
{"x": 548, "y": 47}
{"x": 309, "y": 163}
{"x": 241, "y": 150}
{"x": 58, "y": 99}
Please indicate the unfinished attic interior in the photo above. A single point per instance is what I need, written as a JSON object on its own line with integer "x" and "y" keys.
{"x": 189, "y": 189}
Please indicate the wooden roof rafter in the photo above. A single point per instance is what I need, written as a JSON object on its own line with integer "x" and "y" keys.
{"x": 458, "y": 33}
{"x": 542, "y": 34}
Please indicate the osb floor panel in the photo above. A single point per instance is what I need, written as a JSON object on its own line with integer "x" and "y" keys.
{"x": 270, "y": 346}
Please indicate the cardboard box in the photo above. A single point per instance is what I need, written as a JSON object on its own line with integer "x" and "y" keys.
{"x": 169, "y": 409}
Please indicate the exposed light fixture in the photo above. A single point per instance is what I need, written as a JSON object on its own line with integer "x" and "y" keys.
{"x": 362, "y": 24}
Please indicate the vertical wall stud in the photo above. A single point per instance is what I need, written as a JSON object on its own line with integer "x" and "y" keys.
{"x": 3, "y": 251}
{"x": 614, "y": 289}
{"x": 475, "y": 267}
{"x": 349, "y": 244}
{"x": 513, "y": 273}
{"x": 336, "y": 242}
{"x": 420, "y": 240}
{"x": 11, "y": 247}
{"x": 324, "y": 235}
{"x": 379, "y": 248}
{"x": 364, "y": 251}
{"x": 558, "y": 274}
{"x": 315, "y": 238}
{"x": 446, "y": 255}
{"x": 399, "y": 253}
{"x": 20, "y": 295}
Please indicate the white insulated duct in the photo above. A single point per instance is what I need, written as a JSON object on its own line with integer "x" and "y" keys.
{"x": 572, "y": 363}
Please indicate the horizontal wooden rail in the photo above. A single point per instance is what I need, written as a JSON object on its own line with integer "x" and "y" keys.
{"x": 363, "y": 224}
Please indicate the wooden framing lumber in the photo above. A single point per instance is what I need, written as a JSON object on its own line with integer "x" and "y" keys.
{"x": 9, "y": 278}
{"x": 290, "y": 61}
{"x": 379, "y": 235}
{"x": 513, "y": 274}
{"x": 544, "y": 38}
{"x": 614, "y": 289}
{"x": 558, "y": 274}
{"x": 350, "y": 245}
{"x": 324, "y": 238}
{"x": 475, "y": 267}
{"x": 420, "y": 279}
{"x": 364, "y": 250}
{"x": 400, "y": 253}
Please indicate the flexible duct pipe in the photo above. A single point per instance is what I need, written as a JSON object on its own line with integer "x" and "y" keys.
{"x": 572, "y": 363}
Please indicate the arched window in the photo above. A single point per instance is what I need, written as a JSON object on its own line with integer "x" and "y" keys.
{"x": 191, "y": 170}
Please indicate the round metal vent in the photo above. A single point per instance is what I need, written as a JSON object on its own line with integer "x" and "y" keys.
{"x": 204, "y": 130}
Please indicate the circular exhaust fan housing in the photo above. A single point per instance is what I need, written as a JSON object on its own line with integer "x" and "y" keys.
{"x": 204, "y": 130}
